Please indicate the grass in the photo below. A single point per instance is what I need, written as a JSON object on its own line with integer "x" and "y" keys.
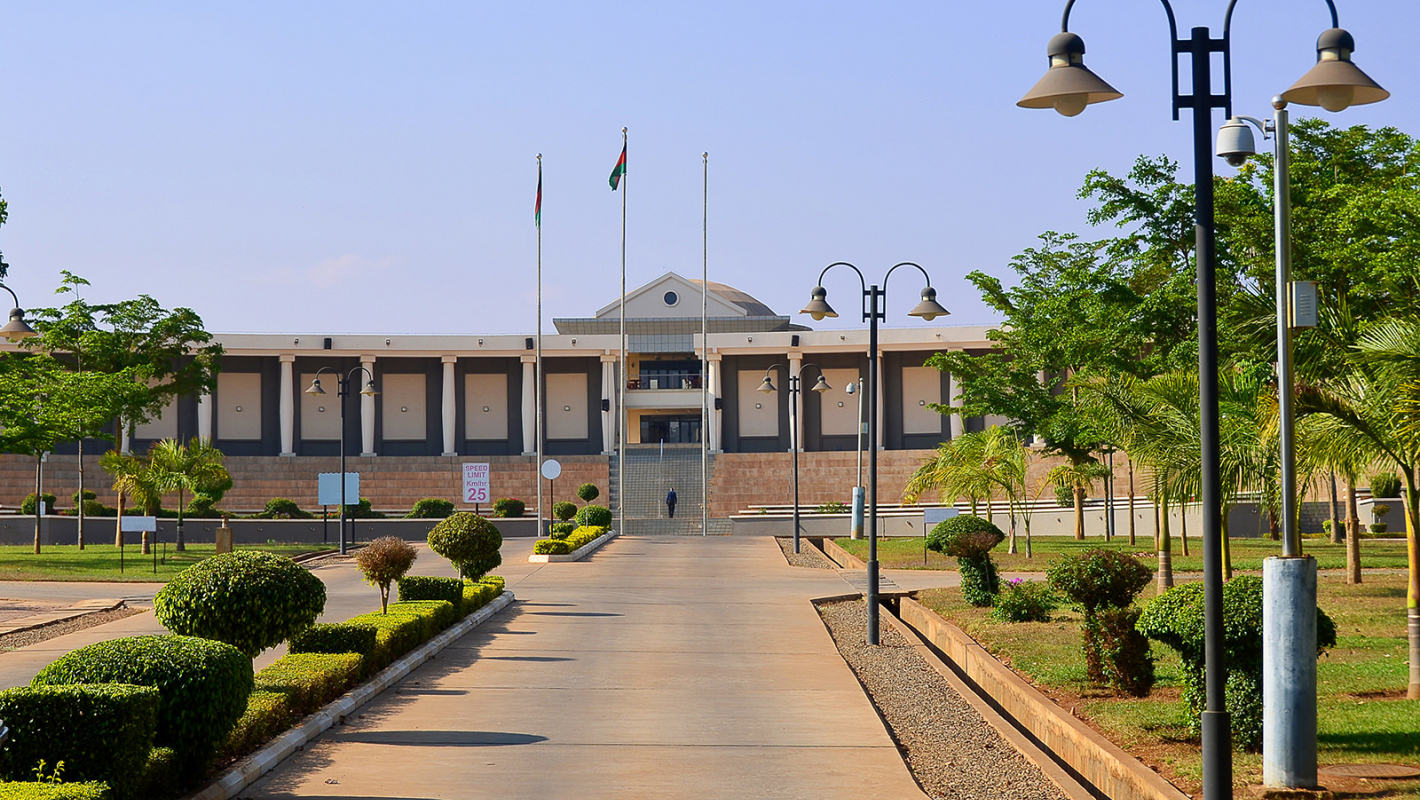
{"x": 1362, "y": 714}
{"x": 100, "y": 562}
{"x": 1247, "y": 554}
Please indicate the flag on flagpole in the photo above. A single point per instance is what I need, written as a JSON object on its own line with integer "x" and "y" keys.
{"x": 537, "y": 206}
{"x": 618, "y": 170}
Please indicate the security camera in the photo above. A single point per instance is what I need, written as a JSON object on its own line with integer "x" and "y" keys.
{"x": 851, "y": 388}
{"x": 1235, "y": 142}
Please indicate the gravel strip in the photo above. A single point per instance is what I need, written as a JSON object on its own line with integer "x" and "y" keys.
{"x": 950, "y": 750}
{"x": 808, "y": 555}
{"x": 18, "y": 639}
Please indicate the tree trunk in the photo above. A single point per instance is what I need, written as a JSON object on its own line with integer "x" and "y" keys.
{"x": 39, "y": 490}
{"x": 1183, "y": 526}
{"x": 1131, "y": 502}
{"x": 118, "y": 523}
{"x": 1335, "y": 512}
{"x": 1079, "y": 495}
{"x": 1164, "y": 545}
{"x": 1412, "y": 595}
{"x": 1353, "y": 535}
{"x": 1012, "y": 548}
{"x": 180, "y": 545}
{"x": 1274, "y": 528}
{"x": 1227, "y": 547}
{"x": 147, "y": 543}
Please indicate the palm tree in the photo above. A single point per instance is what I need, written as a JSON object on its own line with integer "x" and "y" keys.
{"x": 974, "y": 466}
{"x": 131, "y": 478}
{"x": 1079, "y": 478}
{"x": 186, "y": 468}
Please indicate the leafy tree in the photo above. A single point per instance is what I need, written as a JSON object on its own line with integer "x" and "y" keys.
{"x": 973, "y": 466}
{"x": 131, "y": 478}
{"x": 384, "y": 561}
{"x": 186, "y": 468}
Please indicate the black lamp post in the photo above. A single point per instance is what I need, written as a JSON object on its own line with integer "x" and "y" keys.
{"x": 767, "y": 386}
{"x": 343, "y": 391}
{"x": 873, "y": 300}
{"x": 1334, "y": 83}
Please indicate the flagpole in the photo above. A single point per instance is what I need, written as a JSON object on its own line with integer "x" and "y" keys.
{"x": 537, "y": 356}
{"x": 704, "y": 343}
{"x": 621, "y": 382}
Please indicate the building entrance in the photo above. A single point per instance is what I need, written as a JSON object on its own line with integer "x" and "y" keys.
{"x": 670, "y": 429}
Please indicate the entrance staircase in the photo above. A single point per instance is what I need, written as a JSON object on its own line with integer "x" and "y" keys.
{"x": 651, "y": 471}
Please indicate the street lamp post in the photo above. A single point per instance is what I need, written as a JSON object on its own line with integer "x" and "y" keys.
{"x": 874, "y": 297}
{"x": 856, "y": 388}
{"x": 1334, "y": 83}
{"x": 343, "y": 391}
{"x": 767, "y": 386}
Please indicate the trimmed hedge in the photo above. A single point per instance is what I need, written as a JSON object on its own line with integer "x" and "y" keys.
{"x": 575, "y": 540}
{"x": 102, "y": 732}
{"x": 431, "y": 508}
{"x": 593, "y": 516}
{"x": 310, "y": 680}
{"x": 434, "y": 615}
{"x": 564, "y": 510}
{"x": 423, "y": 587}
{"x": 970, "y": 539}
{"x": 509, "y": 507}
{"x": 203, "y": 686}
{"x": 477, "y": 595}
{"x": 559, "y": 530}
{"x": 336, "y": 637}
{"x": 30, "y": 790}
{"x": 470, "y": 542}
{"x": 161, "y": 775}
{"x": 551, "y": 547}
{"x": 267, "y": 715}
{"x": 248, "y": 599}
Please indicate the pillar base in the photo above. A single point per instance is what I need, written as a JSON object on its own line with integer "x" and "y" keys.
{"x": 368, "y": 455}
{"x": 288, "y": 455}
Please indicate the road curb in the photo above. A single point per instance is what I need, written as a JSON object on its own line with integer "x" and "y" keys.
{"x": 253, "y": 767}
{"x": 48, "y": 618}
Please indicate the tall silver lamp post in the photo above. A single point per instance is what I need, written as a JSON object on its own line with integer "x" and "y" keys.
{"x": 1334, "y": 83}
{"x": 343, "y": 391}
{"x": 856, "y": 526}
{"x": 821, "y": 386}
{"x": 873, "y": 298}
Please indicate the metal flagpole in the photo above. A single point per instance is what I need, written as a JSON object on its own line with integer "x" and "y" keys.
{"x": 704, "y": 344}
{"x": 621, "y": 379}
{"x": 537, "y": 356}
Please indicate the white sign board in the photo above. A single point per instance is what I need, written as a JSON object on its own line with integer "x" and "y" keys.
{"x": 328, "y": 488}
{"x": 932, "y": 516}
{"x": 139, "y": 524}
{"x": 551, "y": 469}
{"x": 476, "y": 484}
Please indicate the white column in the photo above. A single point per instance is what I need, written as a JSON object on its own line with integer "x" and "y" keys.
{"x": 796, "y": 430}
{"x": 715, "y": 394}
{"x": 529, "y": 405}
{"x": 450, "y": 405}
{"x": 608, "y": 396}
{"x": 367, "y": 408}
{"x": 204, "y": 416}
{"x": 288, "y": 406}
{"x": 882, "y": 404}
{"x": 955, "y": 421}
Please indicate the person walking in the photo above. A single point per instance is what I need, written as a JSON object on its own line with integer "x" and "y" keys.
{"x": 670, "y": 503}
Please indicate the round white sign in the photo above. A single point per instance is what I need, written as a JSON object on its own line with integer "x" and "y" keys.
{"x": 551, "y": 469}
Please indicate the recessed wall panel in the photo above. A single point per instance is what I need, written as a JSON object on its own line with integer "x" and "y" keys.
{"x": 239, "y": 406}
{"x": 485, "y": 406}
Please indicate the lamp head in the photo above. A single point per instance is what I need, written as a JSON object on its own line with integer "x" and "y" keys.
{"x": 818, "y": 306}
{"x": 1068, "y": 86}
{"x": 929, "y": 309}
{"x": 1235, "y": 142}
{"x": 821, "y": 385}
{"x": 1335, "y": 83}
{"x": 315, "y": 388}
{"x": 767, "y": 385}
{"x": 17, "y": 329}
{"x": 369, "y": 390}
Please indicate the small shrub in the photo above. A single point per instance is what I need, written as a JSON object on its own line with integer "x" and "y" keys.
{"x": 593, "y": 516}
{"x": 832, "y": 507}
{"x": 551, "y": 547}
{"x": 1065, "y": 496}
{"x": 362, "y": 510}
{"x": 970, "y": 540}
{"x": 202, "y": 685}
{"x": 337, "y": 637}
{"x": 281, "y": 508}
{"x": 1099, "y": 578}
{"x": 559, "y": 530}
{"x": 470, "y": 542}
{"x": 31, "y": 790}
{"x": 433, "y": 615}
{"x": 202, "y": 507}
{"x": 248, "y": 599}
{"x": 1379, "y": 527}
{"x": 93, "y": 508}
{"x": 1379, "y": 510}
{"x": 1385, "y": 484}
{"x": 1103, "y": 584}
{"x": 1326, "y": 527}
{"x": 27, "y": 506}
{"x": 310, "y": 680}
{"x": 384, "y": 561}
{"x": 508, "y": 507}
{"x": 431, "y": 508}
{"x": 395, "y": 635}
{"x": 1024, "y": 601}
{"x": 88, "y": 495}
{"x": 101, "y": 732}
{"x": 478, "y": 594}
{"x": 267, "y": 714}
{"x": 161, "y": 775}
{"x": 421, "y": 587}
{"x": 588, "y": 492}
{"x": 564, "y": 510}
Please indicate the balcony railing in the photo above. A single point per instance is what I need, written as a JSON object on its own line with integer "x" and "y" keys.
{"x": 656, "y": 382}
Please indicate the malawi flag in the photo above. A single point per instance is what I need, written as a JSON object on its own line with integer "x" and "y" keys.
{"x": 618, "y": 170}
{"x": 537, "y": 207}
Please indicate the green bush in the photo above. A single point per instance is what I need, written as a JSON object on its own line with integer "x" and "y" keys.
{"x": 310, "y": 680}
{"x": 31, "y": 790}
{"x": 93, "y": 508}
{"x": 508, "y": 507}
{"x": 573, "y": 541}
{"x": 470, "y": 542}
{"x": 559, "y": 530}
{"x": 1103, "y": 584}
{"x": 1379, "y": 510}
{"x": 431, "y": 508}
{"x": 162, "y": 776}
{"x": 248, "y": 599}
{"x": 1024, "y": 601}
{"x": 1065, "y": 496}
{"x": 1326, "y": 527}
{"x": 384, "y": 561}
{"x": 202, "y": 685}
{"x": 267, "y": 715}
{"x": 335, "y": 637}
{"x": 362, "y": 510}
{"x": 423, "y": 587}
{"x": 1175, "y": 618}
{"x": 434, "y": 615}
{"x": 564, "y": 510}
{"x": 551, "y": 547}
{"x": 832, "y": 507}
{"x": 1099, "y": 578}
{"x": 88, "y": 495}
{"x": 970, "y": 539}
{"x": 593, "y": 516}
{"x": 102, "y": 732}
{"x": 395, "y": 635}
{"x": 588, "y": 492}
{"x": 1385, "y": 484}
{"x": 281, "y": 508}
{"x": 27, "y": 506}
{"x": 202, "y": 507}
{"x": 1379, "y": 527}
{"x": 479, "y": 594}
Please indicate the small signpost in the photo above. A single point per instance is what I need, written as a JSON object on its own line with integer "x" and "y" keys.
{"x": 477, "y": 487}
{"x": 551, "y": 468}
{"x": 328, "y": 494}
{"x": 930, "y": 518}
{"x": 138, "y": 525}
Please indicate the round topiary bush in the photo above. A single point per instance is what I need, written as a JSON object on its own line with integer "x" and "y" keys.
{"x": 509, "y": 507}
{"x": 470, "y": 542}
{"x": 202, "y": 687}
{"x": 281, "y": 508}
{"x": 588, "y": 492}
{"x": 970, "y": 539}
{"x": 592, "y": 516}
{"x": 564, "y": 510}
{"x": 431, "y": 508}
{"x": 248, "y": 599}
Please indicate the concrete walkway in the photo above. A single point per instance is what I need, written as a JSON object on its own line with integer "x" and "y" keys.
{"x": 678, "y": 667}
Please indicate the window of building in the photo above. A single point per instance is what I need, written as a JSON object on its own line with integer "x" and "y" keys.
{"x": 671, "y": 298}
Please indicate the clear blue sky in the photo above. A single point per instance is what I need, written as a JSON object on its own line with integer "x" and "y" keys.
{"x": 355, "y": 167}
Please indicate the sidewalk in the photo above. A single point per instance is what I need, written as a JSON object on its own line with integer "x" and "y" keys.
{"x": 661, "y": 667}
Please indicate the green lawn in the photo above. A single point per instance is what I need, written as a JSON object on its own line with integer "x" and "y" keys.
{"x": 1247, "y": 554}
{"x": 100, "y": 562}
{"x": 1363, "y": 716}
